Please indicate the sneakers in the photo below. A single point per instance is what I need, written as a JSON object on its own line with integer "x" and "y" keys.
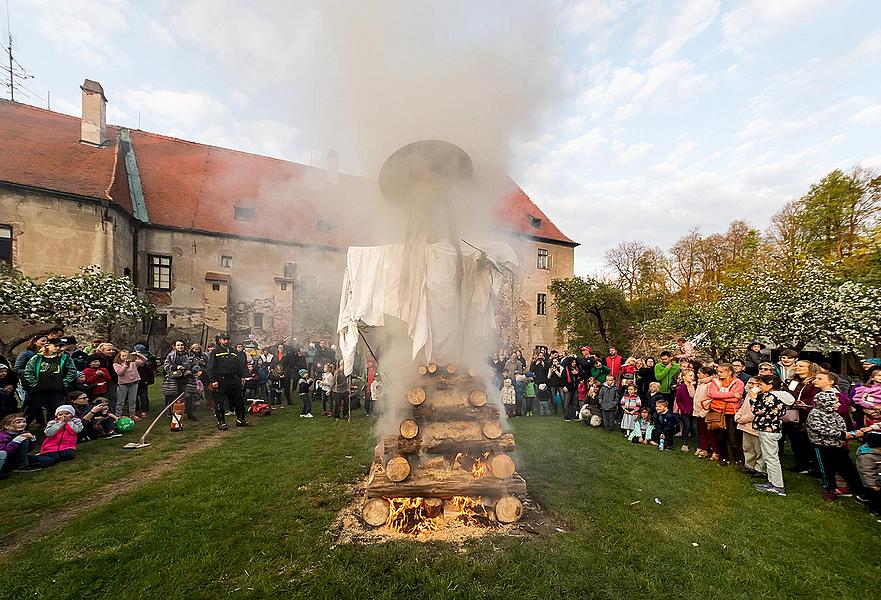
{"x": 842, "y": 492}
{"x": 769, "y": 487}
{"x": 136, "y": 418}
{"x": 685, "y": 448}
{"x": 222, "y": 426}
{"x": 242, "y": 423}
{"x": 861, "y": 500}
{"x": 701, "y": 453}
{"x": 229, "y": 413}
{"x": 113, "y": 435}
{"x": 714, "y": 456}
{"x": 27, "y": 469}
{"x": 301, "y": 416}
{"x": 308, "y": 415}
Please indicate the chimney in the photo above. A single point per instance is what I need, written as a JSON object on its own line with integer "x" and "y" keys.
{"x": 333, "y": 166}
{"x": 94, "y": 121}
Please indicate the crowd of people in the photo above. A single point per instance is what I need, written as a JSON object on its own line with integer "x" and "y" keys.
{"x": 58, "y": 392}
{"x": 741, "y": 412}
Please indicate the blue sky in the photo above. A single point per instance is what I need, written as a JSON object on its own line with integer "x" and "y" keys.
{"x": 623, "y": 120}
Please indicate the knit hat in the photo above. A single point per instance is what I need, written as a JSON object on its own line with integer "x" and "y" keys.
{"x": 65, "y": 408}
{"x": 872, "y": 361}
{"x": 92, "y": 358}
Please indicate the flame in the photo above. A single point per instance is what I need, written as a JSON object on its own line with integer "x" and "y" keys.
{"x": 410, "y": 515}
{"x": 472, "y": 511}
{"x": 479, "y": 468}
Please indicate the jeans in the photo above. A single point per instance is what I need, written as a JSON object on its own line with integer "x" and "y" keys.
{"x": 609, "y": 419}
{"x": 805, "y": 460}
{"x": 307, "y": 404}
{"x": 544, "y": 408}
{"x": 555, "y": 392}
{"x": 143, "y": 404}
{"x": 126, "y": 393}
{"x": 835, "y": 460}
{"x": 43, "y": 400}
{"x": 771, "y": 455}
{"x": 55, "y": 457}
{"x": 570, "y": 405}
{"x": 689, "y": 428}
{"x": 339, "y": 404}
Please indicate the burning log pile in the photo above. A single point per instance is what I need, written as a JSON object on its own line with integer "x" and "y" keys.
{"x": 450, "y": 460}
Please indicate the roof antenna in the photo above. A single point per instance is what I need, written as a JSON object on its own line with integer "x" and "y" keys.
{"x": 16, "y": 73}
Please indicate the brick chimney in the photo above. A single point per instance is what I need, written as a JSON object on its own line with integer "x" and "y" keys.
{"x": 94, "y": 121}
{"x": 333, "y": 166}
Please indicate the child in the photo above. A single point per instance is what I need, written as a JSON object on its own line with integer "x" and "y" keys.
{"x": 768, "y": 408}
{"x": 15, "y": 447}
{"x": 869, "y": 465}
{"x": 61, "y": 433}
{"x": 683, "y": 406}
{"x": 607, "y": 398}
{"x": 628, "y": 371}
{"x": 530, "y": 395}
{"x": 752, "y": 449}
{"x": 827, "y": 431}
{"x": 376, "y": 394}
{"x": 544, "y": 400}
{"x": 98, "y": 421}
{"x": 508, "y": 397}
{"x": 303, "y": 385}
{"x": 251, "y": 384}
{"x": 126, "y": 366}
{"x": 519, "y": 393}
{"x": 327, "y": 380}
{"x": 666, "y": 425}
{"x": 630, "y": 405}
{"x": 276, "y": 385}
{"x": 654, "y": 394}
{"x": 643, "y": 428}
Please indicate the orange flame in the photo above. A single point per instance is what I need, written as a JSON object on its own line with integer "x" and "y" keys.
{"x": 472, "y": 510}
{"x": 479, "y": 468}
{"x": 411, "y": 515}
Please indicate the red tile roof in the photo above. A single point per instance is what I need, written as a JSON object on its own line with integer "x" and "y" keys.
{"x": 41, "y": 149}
{"x": 195, "y": 186}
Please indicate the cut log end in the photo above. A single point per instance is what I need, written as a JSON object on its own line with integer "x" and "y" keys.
{"x": 477, "y": 398}
{"x": 451, "y": 369}
{"x": 397, "y": 469}
{"x": 502, "y": 466}
{"x": 492, "y": 430}
{"x": 409, "y": 429}
{"x": 434, "y": 507}
{"x": 375, "y": 512}
{"x": 423, "y": 370}
{"x": 432, "y": 368}
{"x": 509, "y": 509}
{"x": 416, "y": 396}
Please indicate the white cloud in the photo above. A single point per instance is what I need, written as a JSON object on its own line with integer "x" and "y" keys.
{"x": 755, "y": 21}
{"x": 169, "y": 108}
{"x": 693, "y": 18}
{"x": 870, "y": 114}
{"x": 85, "y": 29}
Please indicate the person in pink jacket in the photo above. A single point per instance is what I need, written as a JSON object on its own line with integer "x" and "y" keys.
{"x": 868, "y": 397}
{"x": 126, "y": 365}
{"x": 753, "y": 462}
{"x": 726, "y": 394}
{"x": 61, "y": 432}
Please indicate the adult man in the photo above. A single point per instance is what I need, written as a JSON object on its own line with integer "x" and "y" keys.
{"x": 613, "y": 362}
{"x": 740, "y": 372}
{"x": 786, "y": 366}
{"x": 539, "y": 368}
{"x": 227, "y": 370}
{"x": 665, "y": 374}
{"x": 585, "y": 362}
{"x": 323, "y": 356}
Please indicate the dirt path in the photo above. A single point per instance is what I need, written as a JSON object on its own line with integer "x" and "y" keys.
{"x": 63, "y": 515}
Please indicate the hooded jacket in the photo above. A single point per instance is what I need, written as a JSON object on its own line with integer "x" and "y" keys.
{"x": 824, "y": 425}
{"x": 60, "y": 435}
{"x": 608, "y": 397}
{"x": 768, "y": 410}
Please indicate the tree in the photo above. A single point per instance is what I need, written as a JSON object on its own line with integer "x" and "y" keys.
{"x": 90, "y": 300}
{"x": 627, "y": 260}
{"x": 588, "y": 309}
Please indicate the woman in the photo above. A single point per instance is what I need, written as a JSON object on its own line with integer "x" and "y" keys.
{"x": 49, "y": 375}
{"x": 179, "y": 378}
{"x": 570, "y": 392}
{"x": 555, "y": 382}
{"x": 803, "y": 390}
{"x": 644, "y": 376}
{"x": 708, "y": 441}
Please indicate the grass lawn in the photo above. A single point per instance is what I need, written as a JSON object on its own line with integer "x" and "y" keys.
{"x": 248, "y": 518}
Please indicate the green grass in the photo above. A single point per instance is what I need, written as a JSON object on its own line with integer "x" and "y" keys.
{"x": 249, "y": 519}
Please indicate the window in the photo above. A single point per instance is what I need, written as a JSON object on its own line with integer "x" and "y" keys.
{"x": 6, "y": 244}
{"x": 226, "y": 262}
{"x": 535, "y": 222}
{"x": 541, "y": 305}
{"x": 244, "y": 213}
{"x": 158, "y": 272}
{"x": 158, "y": 325}
{"x": 290, "y": 270}
{"x": 543, "y": 262}
{"x": 258, "y": 320}
{"x": 284, "y": 286}
{"x": 215, "y": 287}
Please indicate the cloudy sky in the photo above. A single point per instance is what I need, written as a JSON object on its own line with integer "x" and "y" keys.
{"x": 622, "y": 120}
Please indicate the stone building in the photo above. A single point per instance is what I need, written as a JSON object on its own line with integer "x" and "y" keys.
{"x": 218, "y": 239}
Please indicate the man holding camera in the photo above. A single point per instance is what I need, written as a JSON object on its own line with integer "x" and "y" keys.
{"x": 227, "y": 370}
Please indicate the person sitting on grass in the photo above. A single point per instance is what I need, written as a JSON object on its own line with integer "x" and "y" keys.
{"x": 98, "y": 421}
{"x": 630, "y": 405}
{"x": 643, "y": 428}
{"x": 666, "y": 425}
{"x": 61, "y": 434}
{"x": 827, "y": 432}
{"x": 607, "y": 398}
{"x": 15, "y": 448}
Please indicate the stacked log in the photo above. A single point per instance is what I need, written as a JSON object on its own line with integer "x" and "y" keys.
{"x": 451, "y": 445}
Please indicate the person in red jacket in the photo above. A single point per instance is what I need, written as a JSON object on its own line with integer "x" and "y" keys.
{"x": 726, "y": 394}
{"x": 97, "y": 377}
{"x": 613, "y": 362}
